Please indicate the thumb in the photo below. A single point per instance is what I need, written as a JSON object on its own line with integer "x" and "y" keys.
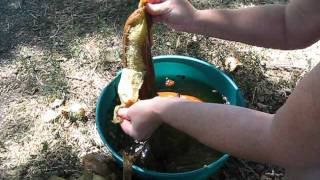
{"x": 123, "y": 113}
{"x": 158, "y": 9}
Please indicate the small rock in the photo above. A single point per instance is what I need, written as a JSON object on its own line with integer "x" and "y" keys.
{"x": 57, "y": 103}
{"x": 50, "y": 115}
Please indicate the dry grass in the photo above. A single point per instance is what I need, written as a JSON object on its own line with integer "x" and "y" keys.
{"x": 71, "y": 49}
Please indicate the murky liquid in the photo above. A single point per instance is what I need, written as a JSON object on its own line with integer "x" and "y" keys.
{"x": 169, "y": 150}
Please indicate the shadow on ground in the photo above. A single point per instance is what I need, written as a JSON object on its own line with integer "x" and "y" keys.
{"x": 53, "y": 25}
{"x": 59, "y": 160}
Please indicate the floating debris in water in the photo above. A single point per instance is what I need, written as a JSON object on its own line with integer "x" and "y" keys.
{"x": 169, "y": 82}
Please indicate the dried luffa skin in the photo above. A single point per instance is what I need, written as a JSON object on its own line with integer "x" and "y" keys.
{"x": 127, "y": 166}
{"x": 137, "y": 78}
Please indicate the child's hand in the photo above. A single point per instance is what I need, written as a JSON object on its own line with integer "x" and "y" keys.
{"x": 140, "y": 120}
{"x": 178, "y": 14}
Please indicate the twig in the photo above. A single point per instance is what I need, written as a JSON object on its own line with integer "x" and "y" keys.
{"x": 76, "y": 78}
{"x": 55, "y": 32}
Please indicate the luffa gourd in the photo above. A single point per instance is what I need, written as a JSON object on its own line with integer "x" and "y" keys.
{"x": 137, "y": 78}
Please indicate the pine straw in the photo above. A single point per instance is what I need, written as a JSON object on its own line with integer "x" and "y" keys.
{"x": 71, "y": 49}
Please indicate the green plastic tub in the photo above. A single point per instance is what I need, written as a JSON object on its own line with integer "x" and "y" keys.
{"x": 171, "y": 66}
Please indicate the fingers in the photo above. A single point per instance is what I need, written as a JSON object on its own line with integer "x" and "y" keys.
{"x": 123, "y": 113}
{"x": 158, "y": 9}
{"x": 126, "y": 124}
{"x": 127, "y": 127}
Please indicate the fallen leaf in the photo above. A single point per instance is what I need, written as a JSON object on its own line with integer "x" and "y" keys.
{"x": 231, "y": 63}
{"x": 77, "y": 110}
{"x": 169, "y": 82}
{"x": 76, "y": 107}
{"x": 50, "y": 115}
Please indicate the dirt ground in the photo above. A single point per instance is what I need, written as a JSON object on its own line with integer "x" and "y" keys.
{"x": 69, "y": 50}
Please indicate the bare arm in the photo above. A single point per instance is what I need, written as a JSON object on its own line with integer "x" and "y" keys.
{"x": 292, "y": 26}
{"x": 235, "y": 130}
{"x": 290, "y": 138}
{"x": 296, "y": 128}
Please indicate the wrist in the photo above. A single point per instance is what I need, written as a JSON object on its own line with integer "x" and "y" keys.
{"x": 161, "y": 105}
{"x": 158, "y": 105}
